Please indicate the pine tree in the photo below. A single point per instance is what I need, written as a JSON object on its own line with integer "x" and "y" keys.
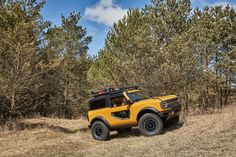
{"x": 20, "y": 31}
{"x": 67, "y": 47}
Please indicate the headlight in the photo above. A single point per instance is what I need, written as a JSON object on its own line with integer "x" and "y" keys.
{"x": 164, "y": 104}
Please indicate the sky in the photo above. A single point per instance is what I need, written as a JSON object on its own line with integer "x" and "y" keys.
{"x": 98, "y": 16}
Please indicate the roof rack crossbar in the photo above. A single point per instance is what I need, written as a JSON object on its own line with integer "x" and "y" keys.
{"x": 102, "y": 91}
{"x": 110, "y": 89}
{"x": 130, "y": 87}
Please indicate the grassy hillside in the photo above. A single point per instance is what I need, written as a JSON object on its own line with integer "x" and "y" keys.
{"x": 205, "y": 135}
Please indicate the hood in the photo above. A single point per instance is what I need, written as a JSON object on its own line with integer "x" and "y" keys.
{"x": 146, "y": 101}
{"x": 167, "y": 97}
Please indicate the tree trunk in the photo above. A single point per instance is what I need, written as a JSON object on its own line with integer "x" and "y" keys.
{"x": 65, "y": 98}
{"x": 13, "y": 104}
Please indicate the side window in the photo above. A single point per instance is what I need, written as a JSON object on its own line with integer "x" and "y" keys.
{"x": 117, "y": 100}
{"x": 98, "y": 104}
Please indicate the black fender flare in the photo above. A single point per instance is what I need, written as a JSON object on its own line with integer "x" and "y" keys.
{"x": 148, "y": 110}
{"x": 100, "y": 118}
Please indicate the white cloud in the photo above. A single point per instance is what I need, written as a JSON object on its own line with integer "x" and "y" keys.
{"x": 224, "y": 4}
{"x": 105, "y": 12}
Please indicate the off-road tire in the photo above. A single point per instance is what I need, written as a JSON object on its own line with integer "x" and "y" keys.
{"x": 125, "y": 130}
{"x": 100, "y": 131}
{"x": 150, "y": 124}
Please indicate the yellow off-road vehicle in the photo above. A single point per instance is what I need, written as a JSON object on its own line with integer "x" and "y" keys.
{"x": 119, "y": 109}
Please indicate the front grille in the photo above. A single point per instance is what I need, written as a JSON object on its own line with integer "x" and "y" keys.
{"x": 172, "y": 100}
{"x": 172, "y": 103}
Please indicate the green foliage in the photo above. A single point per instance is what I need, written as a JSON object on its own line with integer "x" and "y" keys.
{"x": 43, "y": 69}
{"x": 66, "y": 50}
{"x": 20, "y": 30}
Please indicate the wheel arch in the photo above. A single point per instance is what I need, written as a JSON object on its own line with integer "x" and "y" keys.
{"x": 100, "y": 118}
{"x": 147, "y": 110}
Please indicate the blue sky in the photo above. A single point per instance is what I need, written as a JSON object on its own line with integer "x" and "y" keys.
{"x": 99, "y": 15}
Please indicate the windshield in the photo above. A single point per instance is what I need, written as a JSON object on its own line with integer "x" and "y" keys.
{"x": 137, "y": 96}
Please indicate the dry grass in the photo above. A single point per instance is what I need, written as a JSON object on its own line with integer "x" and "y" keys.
{"x": 205, "y": 135}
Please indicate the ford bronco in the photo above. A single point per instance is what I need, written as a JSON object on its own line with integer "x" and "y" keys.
{"x": 120, "y": 109}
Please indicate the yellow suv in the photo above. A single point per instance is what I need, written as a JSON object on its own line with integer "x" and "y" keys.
{"x": 119, "y": 109}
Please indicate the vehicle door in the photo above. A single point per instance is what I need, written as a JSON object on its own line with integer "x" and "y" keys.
{"x": 120, "y": 110}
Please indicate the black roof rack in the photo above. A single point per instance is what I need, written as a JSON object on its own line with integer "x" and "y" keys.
{"x": 109, "y": 90}
{"x": 130, "y": 87}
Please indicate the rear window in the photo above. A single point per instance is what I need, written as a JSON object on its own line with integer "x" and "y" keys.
{"x": 98, "y": 104}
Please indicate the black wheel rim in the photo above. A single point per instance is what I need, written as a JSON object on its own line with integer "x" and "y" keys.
{"x": 150, "y": 125}
{"x": 98, "y": 131}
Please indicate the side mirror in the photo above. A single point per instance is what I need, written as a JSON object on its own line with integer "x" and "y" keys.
{"x": 127, "y": 102}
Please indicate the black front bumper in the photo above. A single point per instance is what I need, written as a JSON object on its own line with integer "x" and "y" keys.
{"x": 171, "y": 113}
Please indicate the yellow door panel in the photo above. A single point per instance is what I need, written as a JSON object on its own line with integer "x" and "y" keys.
{"x": 121, "y": 115}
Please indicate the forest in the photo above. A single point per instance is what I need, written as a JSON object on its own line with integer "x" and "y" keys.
{"x": 164, "y": 48}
